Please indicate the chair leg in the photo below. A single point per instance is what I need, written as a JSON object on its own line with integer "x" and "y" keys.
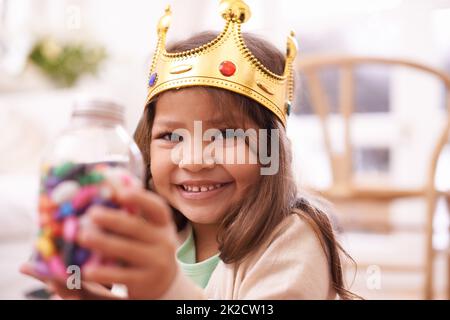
{"x": 429, "y": 263}
{"x": 448, "y": 250}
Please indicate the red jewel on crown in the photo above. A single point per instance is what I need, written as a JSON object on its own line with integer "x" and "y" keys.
{"x": 227, "y": 68}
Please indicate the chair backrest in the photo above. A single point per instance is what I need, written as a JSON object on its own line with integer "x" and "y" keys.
{"x": 341, "y": 162}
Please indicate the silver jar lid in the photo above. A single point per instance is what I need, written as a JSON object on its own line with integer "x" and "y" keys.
{"x": 101, "y": 108}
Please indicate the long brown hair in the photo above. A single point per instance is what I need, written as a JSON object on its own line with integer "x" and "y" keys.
{"x": 240, "y": 232}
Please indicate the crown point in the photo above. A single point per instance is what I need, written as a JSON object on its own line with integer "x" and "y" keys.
{"x": 292, "y": 46}
{"x": 164, "y": 22}
{"x": 235, "y": 10}
{"x": 227, "y": 68}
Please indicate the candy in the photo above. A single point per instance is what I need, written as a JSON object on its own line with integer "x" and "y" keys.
{"x": 96, "y": 177}
{"x": 65, "y": 210}
{"x": 45, "y": 218}
{"x": 81, "y": 256}
{"x": 46, "y": 231}
{"x": 84, "y": 196}
{"x": 45, "y": 169}
{"x": 64, "y": 191}
{"x": 100, "y": 167}
{"x": 59, "y": 243}
{"x": 46, "y": 205}
{"x": 91, "y": 178}
{"x": 57, "y": 266}
{"x": 51, "y": 182}
{"x": 70, "y": 229}
{"x": 68, "y": 253}
{"x": 41, "y": 268}
{"x": 63, "y": 170}
{"x": 55, "y": 229}
{"x": 45, "y": 247}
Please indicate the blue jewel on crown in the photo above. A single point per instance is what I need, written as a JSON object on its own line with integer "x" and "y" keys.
{"x": 152, "y": 80}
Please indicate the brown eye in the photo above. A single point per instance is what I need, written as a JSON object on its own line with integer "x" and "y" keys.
{"x": 170, "y": 136}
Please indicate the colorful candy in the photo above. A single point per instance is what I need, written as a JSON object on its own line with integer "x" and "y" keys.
{"x": 65, "y": 210}
{"x": 63, "y": 169}
{"x": 70, "y": 229}
{"x": 57, "y": 266}
{"x": 64, "y": 191}
{"x": 84, "y": 197}
{"x": 67, "y": 191}
{"x": 45, "y": 247}
{"x": 42, "y": 268}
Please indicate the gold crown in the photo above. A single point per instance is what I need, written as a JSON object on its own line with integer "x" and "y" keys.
{"x": 225, "y": 63}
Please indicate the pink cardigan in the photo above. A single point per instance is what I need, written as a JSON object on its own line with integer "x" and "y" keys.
{"x": 291, "y": 265}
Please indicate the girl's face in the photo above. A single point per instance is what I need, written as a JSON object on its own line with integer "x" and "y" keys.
{"x": 199, "y": 188}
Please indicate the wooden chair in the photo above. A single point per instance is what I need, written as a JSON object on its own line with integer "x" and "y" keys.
{"x": 343, "y": 186}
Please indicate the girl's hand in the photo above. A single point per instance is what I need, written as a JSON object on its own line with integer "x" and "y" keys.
{"x": 144, "y": 242}
{"x": 88, "y": 291}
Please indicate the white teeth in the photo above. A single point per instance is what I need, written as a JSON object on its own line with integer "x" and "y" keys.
{"x": 201, "y": 188}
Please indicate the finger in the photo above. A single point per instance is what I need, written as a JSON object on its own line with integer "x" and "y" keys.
{"x": 59, "y": 287}
{"x": 112, "y": 246}
{"x": 54, "y": 285}
{"x": 62, "y": 291}
{"x": 111, "y": 274}
{"x": 28, "y": 269}
{"x": 153, "y": 207}
{"x": 133, "y": 227}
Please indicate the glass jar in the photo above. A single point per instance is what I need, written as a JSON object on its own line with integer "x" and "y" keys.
{"x": 85, "y": 165}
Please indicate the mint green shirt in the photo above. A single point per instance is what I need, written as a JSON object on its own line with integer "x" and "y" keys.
{"x": 199, "y": 272}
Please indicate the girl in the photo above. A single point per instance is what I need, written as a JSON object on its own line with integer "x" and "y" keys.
{"x": 226, "y": 232}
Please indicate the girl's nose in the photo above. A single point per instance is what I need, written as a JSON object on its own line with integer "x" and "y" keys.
{"x": 196, "y": 166}
{"x": 196, "y": 161}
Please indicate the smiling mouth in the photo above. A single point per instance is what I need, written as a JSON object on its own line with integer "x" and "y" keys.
{"x": 202, "y": 188}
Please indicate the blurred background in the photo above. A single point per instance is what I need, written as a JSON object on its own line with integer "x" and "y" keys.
{"x": 369, "y": 127}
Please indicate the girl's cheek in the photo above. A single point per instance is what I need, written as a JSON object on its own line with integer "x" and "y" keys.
{"x": 244, "y": 174}
{"x": 161, "y": 166}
